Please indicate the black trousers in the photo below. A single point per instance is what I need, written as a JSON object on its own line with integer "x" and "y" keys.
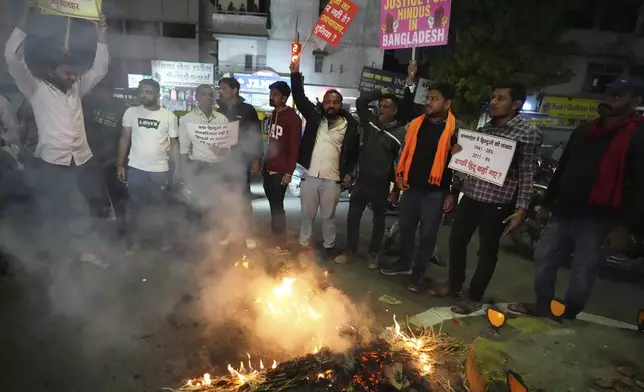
{"x": 419, "y": 209}
{"x": 361, "y": 195}
{"x": 488, "y": 218}
{"x": 275, "y": 193}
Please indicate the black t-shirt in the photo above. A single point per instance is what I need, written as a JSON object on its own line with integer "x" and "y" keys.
{"x": 427, "y": 140}
{"x": 103, "y": 125}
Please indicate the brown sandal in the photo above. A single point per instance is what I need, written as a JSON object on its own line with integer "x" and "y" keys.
{"x": 413, "y": 288}
{"x": 466, "y": 307}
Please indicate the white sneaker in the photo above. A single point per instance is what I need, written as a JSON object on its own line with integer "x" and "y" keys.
{"x": 93, "y": 259}
{"x": 250, "y": 243}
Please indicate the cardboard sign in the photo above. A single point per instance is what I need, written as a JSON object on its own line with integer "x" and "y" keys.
{"x": 421, "y": 91}
{"x": 182, "y": 74}
{"x": 408, "y": 26}
{"x": 374, "y": 79}
{"x": 219, "y": 135}
{"x": 335, "y": 20}
{"x": 83, "y": 9}
{"x": 484, "y": 156}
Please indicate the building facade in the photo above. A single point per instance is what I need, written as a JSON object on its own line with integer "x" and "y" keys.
{"x": 260, "y": 40}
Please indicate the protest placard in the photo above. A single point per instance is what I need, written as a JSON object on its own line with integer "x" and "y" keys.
{"x": 83, "y": 9}
{"x": 411, "y": 26}
{"x": 219, "y": 135}
{"x": 421, "y": 91}
{"x": 334, "y": 21}
{"x": 484, "y": 156}
{"x": 374, "y": 79}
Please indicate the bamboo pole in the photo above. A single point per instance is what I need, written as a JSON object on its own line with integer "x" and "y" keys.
{"x": 67, "y": 33}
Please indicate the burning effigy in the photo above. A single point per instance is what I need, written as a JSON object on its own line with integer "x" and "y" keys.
{"x": 324, "y": 350}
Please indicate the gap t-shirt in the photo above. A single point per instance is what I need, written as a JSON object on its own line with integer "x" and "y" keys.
{"x": 151, "y": 133}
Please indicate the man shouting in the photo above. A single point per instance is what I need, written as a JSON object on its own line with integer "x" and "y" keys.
{"x": 329, "y": 151}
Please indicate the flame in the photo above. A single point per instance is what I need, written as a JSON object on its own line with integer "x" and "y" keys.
{"x": 238, "y": 376}
{"x": 261, "y": 365}
{"x": 274, "y": 365}
{"x": 414, "y": 346}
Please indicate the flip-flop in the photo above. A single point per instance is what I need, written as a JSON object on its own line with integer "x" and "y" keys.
{"x": 466, "y": 307}
{"x": 526, "y": 309}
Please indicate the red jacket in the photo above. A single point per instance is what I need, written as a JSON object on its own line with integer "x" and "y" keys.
{"x": 284, "y": 132}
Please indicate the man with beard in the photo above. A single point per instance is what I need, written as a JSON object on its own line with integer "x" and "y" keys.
{"x": 594, "y": 200}
{"x": 382, "y": 137}
{"x": 423, "y": 174}
{"x": 246, "y": 156}
{"x": 55, "y": 92}
{"x": 329, "y": 151}
{"x": 150, "y": 134}
{"x": 104, "y": 122}
{"x": 201, "y": 164}
{"x": 494, "y": 210}
{"x": 284, "y": 131}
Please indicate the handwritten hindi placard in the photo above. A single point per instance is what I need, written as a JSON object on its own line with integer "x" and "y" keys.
{"x": 484, "y": 156}
{"x": 218, "y": 135}
{"x": 335, "y": 20}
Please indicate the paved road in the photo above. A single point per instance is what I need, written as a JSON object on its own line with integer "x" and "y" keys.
{"x": 140, "y": 325}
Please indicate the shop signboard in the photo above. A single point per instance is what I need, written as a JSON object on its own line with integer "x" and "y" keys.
{"x": 254, "y": 83}
{"x": 564, "y": 107}
{"x": 334, "y": 21}
{"x": 403, "y": 25}
{"x": 374, "y": 79}
{"x": 134, "y": 79}
{"x": 182, "y": 74}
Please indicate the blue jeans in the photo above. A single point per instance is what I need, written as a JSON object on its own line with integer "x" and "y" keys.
{"x": 146, "y": 203}
{"x": 560, "y": 239}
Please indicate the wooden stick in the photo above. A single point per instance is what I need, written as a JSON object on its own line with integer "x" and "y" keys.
{"x": 306, "y": 43}
{"x": 67, "y": 34}
{"x": 413, "y": 53}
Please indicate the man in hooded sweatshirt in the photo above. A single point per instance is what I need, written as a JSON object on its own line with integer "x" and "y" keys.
{"x": 594, "y": 200}
{"x": 284, "y": 132}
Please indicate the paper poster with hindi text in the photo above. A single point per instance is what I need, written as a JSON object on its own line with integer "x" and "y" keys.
{"x": 484, "y": 156}
{"x": 335, "y": 20}
{"x": 414, "y": 23}
{"x": 83, "y": 9}
{"x": 215, "y": 135}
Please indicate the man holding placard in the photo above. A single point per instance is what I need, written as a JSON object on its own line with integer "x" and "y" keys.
{"x": 495, "y": 204}
{"x": 204, "y": 144}
{"x": 423, "y": 174}
{"x": 55, "y": 91}
{"x": 150, "y": 134}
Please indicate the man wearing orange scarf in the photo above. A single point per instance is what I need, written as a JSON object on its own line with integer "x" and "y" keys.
{"x": 423, "y": 174}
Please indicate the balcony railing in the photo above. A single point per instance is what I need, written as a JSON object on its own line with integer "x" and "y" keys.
{"x": 236, "y": 22}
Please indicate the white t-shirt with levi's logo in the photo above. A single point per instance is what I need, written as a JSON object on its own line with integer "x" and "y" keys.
{"x": 151, "y": 133}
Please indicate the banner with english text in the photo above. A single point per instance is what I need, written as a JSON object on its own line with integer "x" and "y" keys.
{"x": 83, "y": 9}
{"x": 414, "y": 23}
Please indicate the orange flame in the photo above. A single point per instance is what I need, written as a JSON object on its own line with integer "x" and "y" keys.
{"x": 414, "y": 346}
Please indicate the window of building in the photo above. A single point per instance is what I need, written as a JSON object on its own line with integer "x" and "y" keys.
{"x": 599, "y": 74}
{"x": 138, "y": 27}
{"x": 319, "y": 63}
{"x": 248, "y": 62}
{"x": 180, "y": 30}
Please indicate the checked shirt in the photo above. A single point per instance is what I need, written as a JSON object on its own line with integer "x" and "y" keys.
{"x": 520, "y": 179}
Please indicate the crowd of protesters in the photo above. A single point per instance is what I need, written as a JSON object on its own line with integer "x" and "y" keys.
{"x": 125, "y": 159}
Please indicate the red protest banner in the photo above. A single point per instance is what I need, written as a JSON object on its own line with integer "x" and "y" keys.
{"x": 335, "y": 20}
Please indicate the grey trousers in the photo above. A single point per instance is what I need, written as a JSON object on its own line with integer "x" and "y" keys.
{"x": 323, "y": 194}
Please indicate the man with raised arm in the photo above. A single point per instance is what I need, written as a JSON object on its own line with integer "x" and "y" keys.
{"x": 54, "y": 91}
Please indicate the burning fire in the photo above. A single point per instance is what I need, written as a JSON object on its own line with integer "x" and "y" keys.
{"x": 420, "y": 349}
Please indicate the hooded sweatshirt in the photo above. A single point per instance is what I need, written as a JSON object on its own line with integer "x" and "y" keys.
{"x": 284, "y": 132}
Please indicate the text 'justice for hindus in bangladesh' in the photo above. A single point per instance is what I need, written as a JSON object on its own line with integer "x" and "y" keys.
{"x": 408, "y": 23}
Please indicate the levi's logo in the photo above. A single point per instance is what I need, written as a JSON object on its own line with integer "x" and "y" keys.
{"x": 147, "y": 123}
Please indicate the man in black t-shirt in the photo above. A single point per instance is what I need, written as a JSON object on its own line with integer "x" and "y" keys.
{"x": 103, "y": 123}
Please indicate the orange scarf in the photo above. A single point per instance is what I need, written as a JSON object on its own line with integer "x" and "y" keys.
{"x": 442, "y": 150}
